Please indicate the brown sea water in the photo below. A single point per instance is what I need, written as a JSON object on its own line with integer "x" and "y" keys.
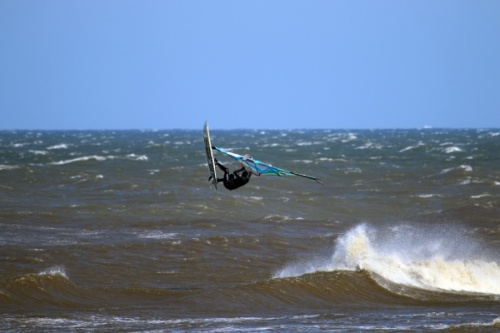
{"x": 119, "y": 231}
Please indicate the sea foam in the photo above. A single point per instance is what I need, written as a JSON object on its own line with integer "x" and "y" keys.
{"x": 441, "y": 259}
{"x": 54, "y": 271}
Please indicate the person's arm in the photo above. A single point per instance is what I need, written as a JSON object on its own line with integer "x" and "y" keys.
{"x": 237, "y": 172}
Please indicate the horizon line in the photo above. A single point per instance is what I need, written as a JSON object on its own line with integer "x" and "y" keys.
{"x": 250, "y": 129}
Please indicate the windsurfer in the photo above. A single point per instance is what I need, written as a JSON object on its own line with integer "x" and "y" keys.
{"x": 233, "y": 180}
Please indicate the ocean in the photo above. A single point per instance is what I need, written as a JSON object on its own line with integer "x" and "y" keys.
{"x": 120, "y": 231}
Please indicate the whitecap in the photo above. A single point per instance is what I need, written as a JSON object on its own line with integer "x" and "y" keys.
{"x": 352, "y": 170}
{"x": 59, "y": 146}
{"x": 303, "y": 161}
{"x": 80, "y": 159}
{"x": 453, "y": 149}
{"x": 479, "y": 196}
{"x": 426, "y": 196}
{"x": 277, "y": 218}
{"x": 39, "y": 152}
{"x": 137, "y": 158}
{"x": 158, "y": 235}
{"x": 255, "y": 198}
{"x": 54, "y": 271}
{"x": 465, "y": 182}
{"x": 370, "y": 145}
{"x": 420, "y": 144}
{"x": 447, "y": 170}
{"x": 273, "y": 145}
{"x": 349, "y": 137}
{"x": 8, "y": 167}
{"x": 464, "y": 167}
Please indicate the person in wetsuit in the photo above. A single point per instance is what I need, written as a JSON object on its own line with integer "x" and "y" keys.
{"x": 233, "y": 180}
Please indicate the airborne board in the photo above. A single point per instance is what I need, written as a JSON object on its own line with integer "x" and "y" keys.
{"x": 262, "y": 168}
{"x": 210, "y": 156}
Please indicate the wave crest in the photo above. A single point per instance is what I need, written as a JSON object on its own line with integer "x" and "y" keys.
{"x": 431, "y": 258}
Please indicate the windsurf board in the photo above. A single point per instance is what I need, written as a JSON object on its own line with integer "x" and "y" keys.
{"x": 210, "y": 156}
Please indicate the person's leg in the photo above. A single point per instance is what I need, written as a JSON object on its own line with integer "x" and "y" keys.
{"x": 223, "y": 168}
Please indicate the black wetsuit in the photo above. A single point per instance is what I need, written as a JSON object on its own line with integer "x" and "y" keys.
{"x": 233, "y": 180}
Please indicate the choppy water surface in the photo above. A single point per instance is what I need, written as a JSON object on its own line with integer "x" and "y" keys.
{"x": 119, "y": 231}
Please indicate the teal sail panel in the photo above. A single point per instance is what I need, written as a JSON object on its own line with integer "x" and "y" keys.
{"x": 262, "y": 168}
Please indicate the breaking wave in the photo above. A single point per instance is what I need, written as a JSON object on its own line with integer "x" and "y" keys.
{"x": 50, "y": 286}
{"x": 440, "y": 259}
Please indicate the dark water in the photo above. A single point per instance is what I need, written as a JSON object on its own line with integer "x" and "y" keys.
{"x": 120, "y": 232}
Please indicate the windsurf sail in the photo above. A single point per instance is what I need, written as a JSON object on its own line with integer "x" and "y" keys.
{"x": 262, "y": 168}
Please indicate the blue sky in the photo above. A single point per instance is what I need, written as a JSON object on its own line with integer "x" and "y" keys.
{"x": 119, "y": 64}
